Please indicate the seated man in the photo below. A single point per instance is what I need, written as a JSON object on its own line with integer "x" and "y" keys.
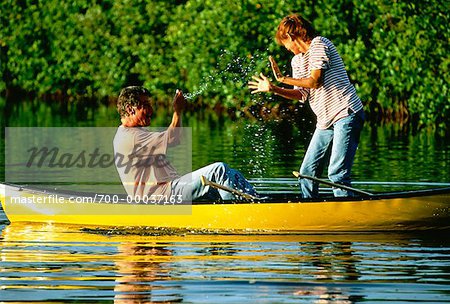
{"x": 140, "y": 155}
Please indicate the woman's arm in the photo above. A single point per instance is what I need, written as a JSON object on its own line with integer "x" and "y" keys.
{"x": 262, "y": 84}
{"x": 294, "y": 94}
{"x": 314, "y": 81}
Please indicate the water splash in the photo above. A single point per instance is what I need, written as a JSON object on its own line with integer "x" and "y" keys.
{"x": 231, "y": 68}
{"x": 206, "y": 83}
{"x": 258, "y": 142}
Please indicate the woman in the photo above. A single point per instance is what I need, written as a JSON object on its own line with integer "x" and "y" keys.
{"x": 319, "y": 76}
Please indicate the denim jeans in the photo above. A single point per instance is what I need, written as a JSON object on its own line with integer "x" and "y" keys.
{"x": 343, "y": 135}
{"x": 191, "y": 187}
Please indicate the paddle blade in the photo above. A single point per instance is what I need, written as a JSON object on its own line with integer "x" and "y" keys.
{"x": 204, "y": 181}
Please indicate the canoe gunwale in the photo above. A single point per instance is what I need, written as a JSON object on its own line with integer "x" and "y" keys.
{"x": 273, "y": 199}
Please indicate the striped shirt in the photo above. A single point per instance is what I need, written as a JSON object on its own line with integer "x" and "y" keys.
{"x": 337, "y": 96}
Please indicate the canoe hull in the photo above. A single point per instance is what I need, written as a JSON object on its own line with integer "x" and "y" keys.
{"x": 384, "y": 214}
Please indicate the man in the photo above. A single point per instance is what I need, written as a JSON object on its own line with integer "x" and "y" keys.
{"x": 141, "y": 161}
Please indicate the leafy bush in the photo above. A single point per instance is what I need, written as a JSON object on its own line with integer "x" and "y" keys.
{"x": 396, "y": 52}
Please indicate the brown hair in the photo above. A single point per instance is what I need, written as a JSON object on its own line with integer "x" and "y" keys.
{"x": 130, "y": 96}
{"x": 296, "y": 27}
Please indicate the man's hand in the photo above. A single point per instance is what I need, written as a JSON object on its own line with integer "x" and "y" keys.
{"x": 261, "y": 84}
{"x": 179, "y": 102}
{"x": 276, "y": 70}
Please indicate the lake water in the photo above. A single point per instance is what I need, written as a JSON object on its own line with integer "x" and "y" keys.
{"x": 60, "y": 263}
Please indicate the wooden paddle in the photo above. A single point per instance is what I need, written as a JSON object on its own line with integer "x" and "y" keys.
{"x": 206, "y": 182}
{"x": 364, "y": 193}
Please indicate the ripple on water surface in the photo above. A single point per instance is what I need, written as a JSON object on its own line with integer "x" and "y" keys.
{"x": 41, "y": 262}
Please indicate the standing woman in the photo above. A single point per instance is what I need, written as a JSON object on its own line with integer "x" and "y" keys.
{"x": 319, "y": 76}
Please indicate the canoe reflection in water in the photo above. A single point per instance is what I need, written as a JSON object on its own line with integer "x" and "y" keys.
{"x": 333, "y": 261}
{"x": 138, "y": 273}
{"x": 328, "y": 262}
{"x": 61, "y": 263}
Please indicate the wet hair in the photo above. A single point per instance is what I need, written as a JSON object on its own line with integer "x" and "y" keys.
{"x": 130, "y": 96}
{"x": 296, "y": 27}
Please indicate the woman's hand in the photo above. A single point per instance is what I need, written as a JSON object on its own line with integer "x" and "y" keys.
{"x": 276, "y": 70}
{"x": 261, "y": 84}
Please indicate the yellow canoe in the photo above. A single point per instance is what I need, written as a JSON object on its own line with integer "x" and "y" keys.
{"x": 396, "y": 211}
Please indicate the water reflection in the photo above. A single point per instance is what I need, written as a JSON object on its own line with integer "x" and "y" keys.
{"x": 61, "y": 262}
{"x": 138, "y": 271}
{"x": 44, "y": 262}
{"x": 261, "y": 148}
{"x": 327, "y": 294}
{"x": 328, "y": 262}
{"x": 332, "y": 261}
{"x": 218, "y": 249}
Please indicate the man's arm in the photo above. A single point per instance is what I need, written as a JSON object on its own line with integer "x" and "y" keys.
{"x": 179, "y": 103}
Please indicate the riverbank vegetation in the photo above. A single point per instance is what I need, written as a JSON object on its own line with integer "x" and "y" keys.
{"x": 396, "y": 52}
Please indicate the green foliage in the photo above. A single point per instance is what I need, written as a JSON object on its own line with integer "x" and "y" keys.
{"x": 396, "y": 52}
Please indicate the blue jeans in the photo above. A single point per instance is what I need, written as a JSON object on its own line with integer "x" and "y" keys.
{"x": 190, "y": 187}
{"x": 343, "y": 135}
